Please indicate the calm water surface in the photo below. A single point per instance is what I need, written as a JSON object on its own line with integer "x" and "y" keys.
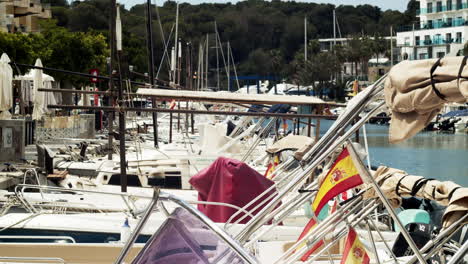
{"x": 429, "y": 154}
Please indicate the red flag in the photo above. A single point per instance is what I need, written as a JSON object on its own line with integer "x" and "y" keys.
{"x": 354, "y": 251}
{"x": 308, "y": 228}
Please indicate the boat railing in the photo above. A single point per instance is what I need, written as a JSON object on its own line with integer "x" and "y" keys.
{"x": 33, "y": 208}
{"x": 336, "y": 136}
{"x": 20, "y": 188}
{"x": 18, "y": 237}
{"x": 5, "y": 259}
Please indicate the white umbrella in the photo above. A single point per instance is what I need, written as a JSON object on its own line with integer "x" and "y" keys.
{"x": 6, "y": 87}
{"x": 39, "y": 99}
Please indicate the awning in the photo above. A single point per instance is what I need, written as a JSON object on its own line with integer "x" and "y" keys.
{"x": 222, "y": 97}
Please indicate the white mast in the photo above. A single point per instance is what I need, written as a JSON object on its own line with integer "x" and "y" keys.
{"x": 391, "y": 45}
{"x": 228, "y": 65}
{"x": 173, "y": 65}
{"x": 305, "y": 38}
{"x": 217, "y": 57}
{"x": 176, "y": 40}
{"x": 179, "y": 61}
{"x": 334, "y": 28}
{"x": 206, "y": 62}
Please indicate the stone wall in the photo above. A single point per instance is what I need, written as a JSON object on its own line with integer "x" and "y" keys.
{"x": 76, "y": 126}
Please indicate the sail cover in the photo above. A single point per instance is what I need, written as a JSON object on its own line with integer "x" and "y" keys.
{"x": 397, "y": 184}
{"x": 415, "y": 92}
{"x": 228, "y": 181}
{"x": 290, "y": 142}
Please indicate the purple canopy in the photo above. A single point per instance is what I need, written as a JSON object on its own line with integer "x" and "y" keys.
{"x": 185, "y": 239}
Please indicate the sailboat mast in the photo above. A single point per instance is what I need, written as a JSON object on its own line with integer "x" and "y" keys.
{"x": 391, "y": 45}
{"x": 149, "y": 30}
{"x": 110, "y": 116}
{"x": 179, "y": 62}
{"x": 176, "y": 40}
{"x": 121, "y": 103}
{"x": 305, "y": 38}
{"x": 217, "y": 57}
{"x": 206, "y": 62}
{"x": 334, "y": 28}
{"x": 228, "y": 66}
{"x": 201, "y": 67}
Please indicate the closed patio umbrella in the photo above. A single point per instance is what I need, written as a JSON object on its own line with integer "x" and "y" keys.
{"x": 41, "y": 99}
{"x": 6, "y": 87}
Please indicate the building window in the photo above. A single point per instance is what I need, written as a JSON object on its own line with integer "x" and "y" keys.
{"x": 423, "y": 56}
{"x": 427, "y": 40}
{"x": 439, "y": 23}
{"x": 449, "y": 5}
{"x": 407, "y": 41}
{"x": 417, "y": 40}
{"x": 439, "y": 6}
{"x": 429, "y": 7}
{"x": 448, "y": 38}
{"x": 31, "y": 4}
{"x": 449, "y": 22}
{"x": 459, "y": 4}
{"x": 458, "y": 39}
{"x": 440, "y": 55}
{"x": 430, "y": 24}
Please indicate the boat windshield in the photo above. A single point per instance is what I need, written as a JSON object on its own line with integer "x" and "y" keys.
{"x": 185, "y": 239}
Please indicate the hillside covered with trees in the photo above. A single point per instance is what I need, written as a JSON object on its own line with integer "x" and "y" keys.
{"x": 266, "y": 37}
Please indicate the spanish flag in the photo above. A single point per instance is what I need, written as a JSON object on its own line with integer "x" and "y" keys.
{"x": 308, "y": 228}
{"x": 354, "y": 251}
{"x": 271, "y": 167}
{"x": 342, "y": 176}
{"x": 172, "y": 104}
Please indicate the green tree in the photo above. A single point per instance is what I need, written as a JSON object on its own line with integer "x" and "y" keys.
{"x": 75, "y": 51}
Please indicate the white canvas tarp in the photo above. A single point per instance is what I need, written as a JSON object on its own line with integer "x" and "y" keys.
{"x": 397, "y": 184}
{"x": 415, "y": 99}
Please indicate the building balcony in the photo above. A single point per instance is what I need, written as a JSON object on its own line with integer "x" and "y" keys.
{"x": 434, "y": 25}
{"x": 440, "y": 9}
{"x": 435, "y": 41}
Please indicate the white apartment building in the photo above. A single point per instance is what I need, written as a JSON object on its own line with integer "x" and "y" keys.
{"x": 22, "y": 15}
{"x": 441, "y": 31}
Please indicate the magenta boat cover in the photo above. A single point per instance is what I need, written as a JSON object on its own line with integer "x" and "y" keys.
{"x": 228, "y": 181}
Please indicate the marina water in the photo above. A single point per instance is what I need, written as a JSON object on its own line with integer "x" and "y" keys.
{"x": 442, "y": 156}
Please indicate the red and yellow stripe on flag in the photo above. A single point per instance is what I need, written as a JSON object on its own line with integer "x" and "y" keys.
{"x": 308, "y": 228}
{"x": 354, "y": 251}
{"x": 271, "y": 167}
{"x": 342, "y": 176}
{"x": 172, "y": 104}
